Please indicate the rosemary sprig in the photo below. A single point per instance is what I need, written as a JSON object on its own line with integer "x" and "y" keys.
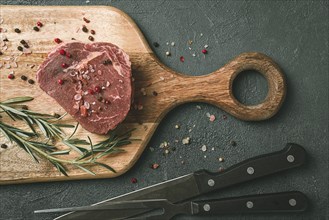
{"x": 49, "y": 129}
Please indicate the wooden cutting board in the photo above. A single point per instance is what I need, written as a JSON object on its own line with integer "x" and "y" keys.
{"x": 112, "y": 25}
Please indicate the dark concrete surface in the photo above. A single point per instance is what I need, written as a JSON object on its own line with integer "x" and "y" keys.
{"x": 293, "y": 33}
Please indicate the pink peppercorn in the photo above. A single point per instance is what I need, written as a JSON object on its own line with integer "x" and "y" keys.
{"x": 90, "y": 91}
{"x": 62, "y": 52}
{"x": 60, "y": 82}
{"x": 133, "y": 180}
{"x": 39, "y": 24}
{"x": 64, "y": 65}
{"x": 97, "y": 89}
{"x": 57, "y": 40}
{"x": 11, "y": 76}
{"x": 204, "y": 51}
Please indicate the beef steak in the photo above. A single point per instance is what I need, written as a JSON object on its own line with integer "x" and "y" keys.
{"x": 92, "y": 82}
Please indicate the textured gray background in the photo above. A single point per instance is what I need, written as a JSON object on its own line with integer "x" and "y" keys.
{"x": 293, "y": 33}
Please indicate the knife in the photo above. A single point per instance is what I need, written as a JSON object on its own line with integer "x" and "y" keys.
{"x": 200, "y": 182}
{"x": 293, "y": 201}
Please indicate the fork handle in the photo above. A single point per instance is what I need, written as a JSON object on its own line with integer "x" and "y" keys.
{"x": 293, "y": 201}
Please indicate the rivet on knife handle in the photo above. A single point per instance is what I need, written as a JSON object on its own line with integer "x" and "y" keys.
{"x": 293, "y": 155}
{"x": 293, "y": 201}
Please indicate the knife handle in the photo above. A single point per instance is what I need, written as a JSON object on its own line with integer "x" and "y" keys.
{"x": 293, "y": 201}
{"x": 293, "y": 155}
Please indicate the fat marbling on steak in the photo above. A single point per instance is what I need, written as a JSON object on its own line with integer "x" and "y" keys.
{"x": 92, "y": 82}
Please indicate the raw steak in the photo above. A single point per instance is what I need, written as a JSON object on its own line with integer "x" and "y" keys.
{"x": 92, "y": 82}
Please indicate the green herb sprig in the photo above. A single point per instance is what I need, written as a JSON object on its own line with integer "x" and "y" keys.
{"x": 88, "y": 153}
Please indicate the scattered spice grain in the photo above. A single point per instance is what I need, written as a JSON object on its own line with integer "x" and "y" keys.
{"x": 4, "y": 146}
{"x": 84, "y": 29}
{"x": 156, "y": 44}
{"x": 31, "y": 81}
{"x": 133, "y": 180}
{"x": 23, "y": 77}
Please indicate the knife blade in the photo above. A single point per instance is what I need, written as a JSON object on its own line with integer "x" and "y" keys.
{"x": 200, "y": 182}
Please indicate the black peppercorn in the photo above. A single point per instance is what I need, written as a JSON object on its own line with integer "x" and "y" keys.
{"x": 154, "y": 93}
{"x": 91, "y": 38}
{"x": 17, "y": 30}
{"x": 23, "y": 42}
{"x": 56, "y": 115}
{"x": 31, "y": 81}
{"x": 156, "y": 44}
{"x": 107, "y": 62}
{"x": 36, "y": 28}
{"x": 84, "y": 29}
{"x": 20, "y": 48}
{"x": 23, "y": 77}
{"x": 1, "y": 53}
{"x": 4, "y": 146}
{"x": 233, "y": 143}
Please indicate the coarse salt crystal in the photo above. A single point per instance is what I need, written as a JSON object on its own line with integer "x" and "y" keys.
{"x": 206, "y": 46}
{"x": 99, "y": 72}
{"x": 77, "y": 97}
{"x": 87, "y": 105}
{"x": 204, "y": 148}
{"x": 172, "y": 43}
{"x": 212, "y": 118}
{"x": 108, "y": 84}
{"x": 103, "y": 87}
{"x": 208, "y": 114}
{"x": 186, "y": 140}
{"x": 120, "y": 81}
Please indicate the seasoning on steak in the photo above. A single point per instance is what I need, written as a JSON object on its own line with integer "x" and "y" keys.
{"x": 92, "y": 82}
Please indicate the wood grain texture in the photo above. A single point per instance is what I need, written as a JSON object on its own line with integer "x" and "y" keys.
{"x": 112, "y": 25}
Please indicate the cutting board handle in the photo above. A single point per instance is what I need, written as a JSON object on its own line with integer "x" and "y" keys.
{"x": 216, "y": 88}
